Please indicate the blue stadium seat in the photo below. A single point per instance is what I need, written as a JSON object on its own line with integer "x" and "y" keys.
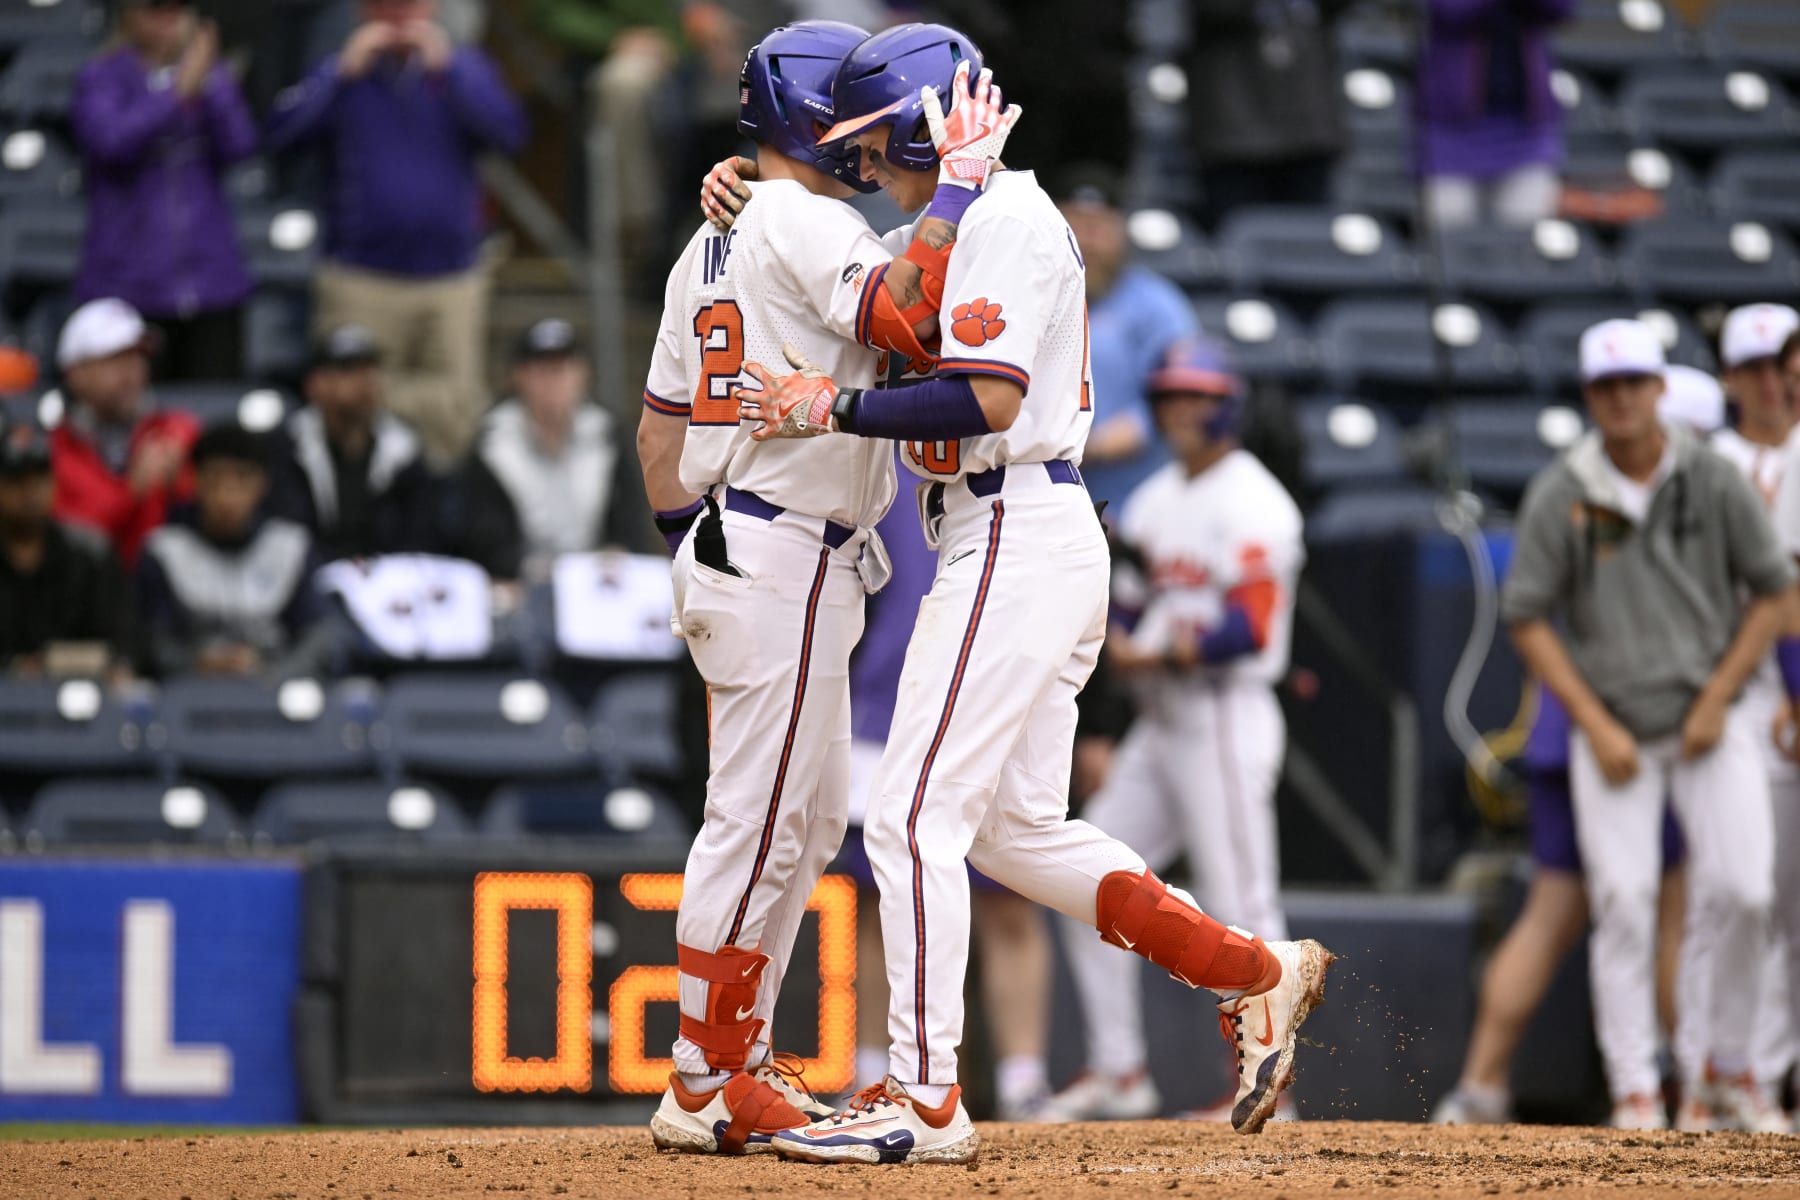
{"x": 592, "y": 808}
{"x": 276, "y": 341}
{"x": 247, "y": 729}
{"x": 1552, "y": 258}
{"x": 52, "y": 727}
{"x": 1378, "y": 109}
{"x": 1378, "y": 180}
{"x": 1314, "y": 251}
{"x": 128, "y": 812}
{"x": 37, "y": 84}
{"x": 1731, "y": 263}
{"x": 41, "y": 245}
{"x": 1756, "y": 33}
{"x": 1709, "y": 110}
{"x": 1587, "y": 109}
{"x": 258, "y": 408}
{"x": 37, "y": 168}
{"x": 484, "y": 725}
{"x": 1265, "y": 339}
{"x": 305, "y": 812}
{"x": 1172, "y": 247}
{"x": 1550, "y": 338}
{"x": 281, "y": 245}
{"x": 1349, "y": 443}
{"x": 23, "y": 22}
{"x": 1613, "y": 165}
{"x": 633, "y": 721}
{"x": 1406, "y": 342}
{"x": 1501, "y": 444}
{"x": 1611, "y": 36}
{"x": 1376, "y": 34}
{"x": 1758, "y": 185}
{"x": 1353, "y": 514}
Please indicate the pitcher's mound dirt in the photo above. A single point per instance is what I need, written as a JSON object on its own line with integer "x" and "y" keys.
{"x": 1331, "y": 1159}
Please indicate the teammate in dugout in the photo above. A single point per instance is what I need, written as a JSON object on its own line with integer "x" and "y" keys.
{"x": 977, "y": 765}
{"x": 1641, "y": 540}
{"x": 1202, "y": 617}
{"x": 769, "y": 581}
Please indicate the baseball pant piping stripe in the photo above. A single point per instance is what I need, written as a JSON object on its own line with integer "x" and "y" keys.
{"x": 912, "y": 817}
{"x": 1229, "y": 778}
{"x": 787, "y": 745}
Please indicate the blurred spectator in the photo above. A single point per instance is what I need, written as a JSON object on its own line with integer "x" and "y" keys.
{"x": 1693, "y": 400}
{"x": 60, "y": 587}
{"x": 547, "y": 457}
{"x": 402, "y": 114}
{"x": 354, "y": 474}
{"x": 1265, "y": 101}
{"x": 1134, "y": 315}
{"x": 1490, "y": 126}
{"x": 158, "y": 119}
{"x": 1750, "y": 346}
{"x": 223, "y": 590}
{"x": 119, "y": 462}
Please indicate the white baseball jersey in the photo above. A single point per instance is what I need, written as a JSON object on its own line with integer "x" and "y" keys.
{"x": 794, "y": 264}
{"x": 1761, "y": 464}
{"x": 1231, "y": 526}
{"x": 1015, "y": 306}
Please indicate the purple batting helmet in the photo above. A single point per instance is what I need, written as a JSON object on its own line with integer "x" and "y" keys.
{"x": 784, "y": 94}
{"x": 880, "y": 81}
{"x": 1200, "y": 366}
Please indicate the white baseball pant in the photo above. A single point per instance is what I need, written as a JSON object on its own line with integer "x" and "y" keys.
{"x": 1199, "y": 779}
{"x": 977, "y": 763}
{"x": 774, "y": 648}
{"x": 1722, "y": 802}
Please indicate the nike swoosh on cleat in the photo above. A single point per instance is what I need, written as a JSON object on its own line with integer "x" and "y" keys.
{"x": 1267, "y": 1037}
{"x": 744, "y": 1014}
{"x": 1123, "y": 941}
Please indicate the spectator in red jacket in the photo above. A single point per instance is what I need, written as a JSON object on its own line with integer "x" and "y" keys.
{"x": 118, "y": 460}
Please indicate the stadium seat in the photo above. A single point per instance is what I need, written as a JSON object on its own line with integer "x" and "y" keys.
{"x": 1756, "y": 33}
{"x": 276, "y": 344}
{"x": 128, "y": 812}
{"x": 1314, "y": 251}
{"x": 41, "y": 245}
{"x": 1408, "y": 343}
{"x": 1550, "y": 337}
{"x": 1349, "y": 443}
{"x": 1378, "y": 109}
{"x": 1172, "y": 247}
{"x": 1623, "y": 181}
{"x": 1758, "y": 185}
{"x": 1378, "y": 180}
{"x": 281, "y": 245}
{"x": 24, "y": 22}
{"x": 1501, "y": 444}
{"x": 592, "y": 808}
{"x": 1265, "y": 339}
{"x": 1709, "y": 110}
{"x": 483, "y": 725}
{"x": 1731, "y": 263}
{"x": 1587, "y": 110}
{"x": 36, "y": 168}
{"x": 305, "y": 812}
{"x": 247, "y": 729}
{"x": 1611, "y": 36}
{"x": 258, "y": 408}
{"x": 1376, "y": 34}
{"x": 1552, "y": 258}
{"x": 633, "y": 721}
{"x": 37, "y": 84}
{"x": 1359, "y": 513}
{"x": 52, "y": 726}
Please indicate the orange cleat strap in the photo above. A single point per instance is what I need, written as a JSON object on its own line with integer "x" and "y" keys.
{"x": 745, "y": 1116}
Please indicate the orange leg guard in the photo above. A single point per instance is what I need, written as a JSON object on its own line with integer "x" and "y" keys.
{"x": 728, "y": 1031}
{"x": 1137, "y": 913}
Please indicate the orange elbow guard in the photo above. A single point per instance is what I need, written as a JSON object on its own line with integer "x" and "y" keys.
{"x": 884, "y": 326}
{"x": 933, "y": 265}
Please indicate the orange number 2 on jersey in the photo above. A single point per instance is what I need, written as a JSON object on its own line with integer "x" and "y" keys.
{"x": 720, "y": 328}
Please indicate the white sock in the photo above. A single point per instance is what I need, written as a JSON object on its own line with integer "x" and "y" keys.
{"x": 931, "y": 1095}
{"x": 871, "y": 1065}
{"x": 759, "y": 1054}
{"x": 1019, "y": 1077}
{"x": 704, "y": 1083}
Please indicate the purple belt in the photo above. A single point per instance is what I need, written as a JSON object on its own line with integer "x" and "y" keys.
{"x": 989, "y": 482}
{"x": 753, "y": 505}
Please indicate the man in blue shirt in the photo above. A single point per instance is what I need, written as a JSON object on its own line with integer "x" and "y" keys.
{"x": 1134, "y": 315}
{"x": 400, "y": 116}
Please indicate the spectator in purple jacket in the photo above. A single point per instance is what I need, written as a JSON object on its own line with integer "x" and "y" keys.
{"x": 158, "y": 120}
{"x": 1490, "y": 127}
{"x": 400, "y": 115}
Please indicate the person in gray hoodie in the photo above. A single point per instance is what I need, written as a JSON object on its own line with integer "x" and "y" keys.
{"x": 1645, "y": 544}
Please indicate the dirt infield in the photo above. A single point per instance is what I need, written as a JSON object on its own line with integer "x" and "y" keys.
{"x": 1146, "y": 1158}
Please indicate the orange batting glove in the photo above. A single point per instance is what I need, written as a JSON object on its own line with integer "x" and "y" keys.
{"x": 971, "y": 135}
{"x": 789, "y": 406}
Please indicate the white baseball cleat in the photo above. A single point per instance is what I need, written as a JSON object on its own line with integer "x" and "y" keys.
{"x": 882, "y": 1124}
{"x": 1261, "y": 1029}
{"x": 785, "y": 1073}
{"x": 1739, "y": 1102}
{"x": 1640, "y": 1112}
{"x": 1094, "y": 1096}
{"x": 1694, "y": 1115}
{"x": 737, "y": 1117}
{"x": 1463, "y": 1107}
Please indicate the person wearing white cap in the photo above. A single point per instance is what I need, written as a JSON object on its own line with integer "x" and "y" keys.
{"x": 1750, "y": 352}
{"x": 1644, "y": 545}
{"x": 1693, "y": 399}
{"x": 119, "y": 461}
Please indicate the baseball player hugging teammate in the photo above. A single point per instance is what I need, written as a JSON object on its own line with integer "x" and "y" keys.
{"x": 977, "y": 763}
{"x": 774, "y": 550}
{"x": 1202, "y": 617}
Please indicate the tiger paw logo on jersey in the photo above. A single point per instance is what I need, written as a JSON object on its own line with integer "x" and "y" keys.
{"x": 978, "y": 321}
